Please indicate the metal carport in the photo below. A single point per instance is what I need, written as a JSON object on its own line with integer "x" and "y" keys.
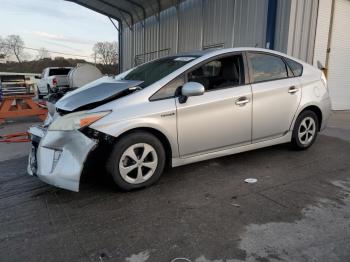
{"x": 155, "y": 28}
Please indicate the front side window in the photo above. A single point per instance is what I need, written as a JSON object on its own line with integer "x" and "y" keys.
{"x": 219, "y": 73}
{"x": 169, "y": 90}
{"x": 155, "y": 70}
{"x": 267, "y": 67}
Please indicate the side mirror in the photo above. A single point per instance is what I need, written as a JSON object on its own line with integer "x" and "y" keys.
{"x": 191, "y": 89}
{"x": 37, "y": 77}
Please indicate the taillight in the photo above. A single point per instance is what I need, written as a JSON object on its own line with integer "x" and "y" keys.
{"x": 54, "y": 81}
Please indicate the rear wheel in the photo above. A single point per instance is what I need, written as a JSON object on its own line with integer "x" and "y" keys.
{"x": 137, "y": 161}
{"x": 305, "y": 130}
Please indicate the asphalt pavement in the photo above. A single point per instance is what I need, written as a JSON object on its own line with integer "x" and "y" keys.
{"x": 298, "y": 210}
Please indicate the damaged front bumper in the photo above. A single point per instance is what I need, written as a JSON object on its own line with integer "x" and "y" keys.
{"x": 58, "y": 157}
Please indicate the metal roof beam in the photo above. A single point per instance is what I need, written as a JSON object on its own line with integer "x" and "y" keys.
{"x": 143, "y": 19}
{"x": 121, "y": 10}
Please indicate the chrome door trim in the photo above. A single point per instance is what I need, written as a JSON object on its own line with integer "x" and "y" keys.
{"x": 242, "y": 101}
{"x": 293, "y": 90}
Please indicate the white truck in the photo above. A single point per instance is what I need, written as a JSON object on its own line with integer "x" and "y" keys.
{"x": 52, "y": 78}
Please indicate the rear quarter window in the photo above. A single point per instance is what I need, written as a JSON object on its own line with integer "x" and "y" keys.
{"x": 296, "y": 68}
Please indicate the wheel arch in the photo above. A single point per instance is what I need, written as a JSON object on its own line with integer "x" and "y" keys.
{"x": 316, "y": 110}
{"x": 158, "y": 134}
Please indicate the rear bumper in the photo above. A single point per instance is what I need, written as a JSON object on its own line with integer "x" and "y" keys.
{"x": 58, "y": 157}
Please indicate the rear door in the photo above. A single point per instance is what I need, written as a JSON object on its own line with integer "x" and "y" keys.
{"x": 276, "y": 95}
{"x": 221, "y": 117}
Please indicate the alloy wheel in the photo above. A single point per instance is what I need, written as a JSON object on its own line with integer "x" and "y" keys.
{"x": 307, "y": 131}
{"x": 138, "y": 163}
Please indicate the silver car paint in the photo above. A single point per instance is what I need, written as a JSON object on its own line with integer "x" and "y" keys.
{"x": 274, "y": 107}
{"x": 195, "y": 142}
{"x": 96, "y": 91}
{"x": 213, "y": 121}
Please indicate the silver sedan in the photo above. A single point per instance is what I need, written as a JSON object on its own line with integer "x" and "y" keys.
{"x": 178, "y": 110}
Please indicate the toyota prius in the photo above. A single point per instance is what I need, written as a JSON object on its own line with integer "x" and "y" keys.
{"x": 178, "y": 110}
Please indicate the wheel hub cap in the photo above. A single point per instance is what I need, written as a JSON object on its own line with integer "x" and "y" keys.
{"x": 138, "y": 163}
{"x": 307, "y": 130}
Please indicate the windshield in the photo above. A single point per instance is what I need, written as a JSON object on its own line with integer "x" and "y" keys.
{"x": 155, "y": 70}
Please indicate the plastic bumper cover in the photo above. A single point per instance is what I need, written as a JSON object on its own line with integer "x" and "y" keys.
{"x": 57, "y": 157}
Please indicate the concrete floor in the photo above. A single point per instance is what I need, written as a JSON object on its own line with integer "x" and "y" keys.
{"x": 299, "y": 210}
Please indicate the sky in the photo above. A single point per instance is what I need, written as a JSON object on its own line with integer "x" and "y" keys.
{"x": 55, "y": 25}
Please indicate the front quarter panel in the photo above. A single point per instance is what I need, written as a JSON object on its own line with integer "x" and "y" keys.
{"x": 159, "y": 115}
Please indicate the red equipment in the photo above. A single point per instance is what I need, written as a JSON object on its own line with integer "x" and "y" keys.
{"x": 15, "y": 138}
{"x": 20, "y": 105}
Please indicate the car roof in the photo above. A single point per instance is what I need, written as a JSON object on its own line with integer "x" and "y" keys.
{"x": 223, "y": 50}
{"x": 217, "y": 51}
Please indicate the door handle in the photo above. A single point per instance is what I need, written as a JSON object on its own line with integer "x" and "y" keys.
{"x": 293, "y": 90}
{"x": 242, "y": 101}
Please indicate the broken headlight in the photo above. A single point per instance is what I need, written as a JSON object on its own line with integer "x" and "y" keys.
{"x": 75, "y": 121}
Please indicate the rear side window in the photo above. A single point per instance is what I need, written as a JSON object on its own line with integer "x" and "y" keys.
{"x": 296, "y": 68}
{"x": 267, "y": 67}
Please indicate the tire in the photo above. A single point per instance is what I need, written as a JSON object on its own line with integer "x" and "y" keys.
{"x": 40, "y": 96}
{"x": 305, "y": 130}
{"x": 128, "y": 159}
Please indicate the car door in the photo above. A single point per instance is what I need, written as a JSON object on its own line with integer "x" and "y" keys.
{"x": 221, "y": 117}
{"x": 276, "y": 95}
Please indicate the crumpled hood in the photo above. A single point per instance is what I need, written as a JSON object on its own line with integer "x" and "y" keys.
{"x": 95, "y": 93}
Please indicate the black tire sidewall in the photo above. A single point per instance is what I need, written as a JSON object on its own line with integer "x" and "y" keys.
{"x": 295, "y": 138}
{"x": 123, "y": 144}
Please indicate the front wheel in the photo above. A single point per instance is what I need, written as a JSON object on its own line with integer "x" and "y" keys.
{"x": 305, "y": 130}
{"x": 137, "y": 161}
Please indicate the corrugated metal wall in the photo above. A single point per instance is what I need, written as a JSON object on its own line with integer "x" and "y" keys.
{"x": 127, "y": 43}
{"x": 282, "y": 25}
{"x": 250, "y": 23}
{"x": 217, "y": 23}
{"x": 322, "y": 31}
{"x": 196, "y": 25}
{"x": 139, "y": 43}
{"x": 168, "y": 31}
{"x": 190, "y": 26}
{"x": 201, "y": 24}
{"x": 302, "y": 40}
